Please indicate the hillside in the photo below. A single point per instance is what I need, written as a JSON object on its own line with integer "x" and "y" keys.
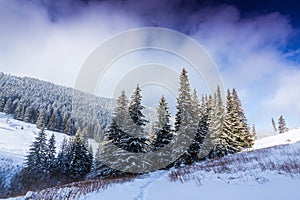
{"x": 56, "y": 107}
{"x": 272, "y": 163}
{"x": 16, "y": 138}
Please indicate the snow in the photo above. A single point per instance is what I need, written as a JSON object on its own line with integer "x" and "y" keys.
{"x": 16, "y": 138}
{"x": 244, "y": 180}
{"x": 249, "y": 183}
{"x": 289, "y": 137}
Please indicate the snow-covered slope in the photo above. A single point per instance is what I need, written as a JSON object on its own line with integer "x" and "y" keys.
{"x": 269, "y": 173}
{"x": 289, "y": 137}
{"x": 16, "y": 138}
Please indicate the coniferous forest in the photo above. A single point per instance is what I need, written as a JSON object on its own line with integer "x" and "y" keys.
{"x": 219, "y": 127}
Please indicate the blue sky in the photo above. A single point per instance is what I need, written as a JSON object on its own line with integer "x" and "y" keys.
{"x": 255, "y": 45}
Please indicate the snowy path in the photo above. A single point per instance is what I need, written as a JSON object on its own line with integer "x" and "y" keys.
{"x": 144, "y": 188}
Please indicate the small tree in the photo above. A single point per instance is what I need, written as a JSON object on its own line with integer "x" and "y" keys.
{"x": 36, "y": 158}
{"x": 50, "y": 154}
{"x": 274, "y": 125}
{"x": 282, "y": 125}
{"x": 162, "y": 128}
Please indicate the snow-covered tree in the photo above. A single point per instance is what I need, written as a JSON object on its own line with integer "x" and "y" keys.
{"x": 50, "y": 154}
{"x": 232, "y": 136}
{"x": 216, "y": 125}
{"x": 133, "y": 137}
{"x": 282, "y": 125}
{"x": 62, "y": 161}
{"x": 162, "y": 128}
{"x": 186, "y": 118}
{"x": 80, "y": 159}
{"x": 8, "y": 106}
{"x": 274, "y": 125}
{"x": 246, "y": 137}
{"x": 42, "y": 119}
{"x": 36, "y": 158}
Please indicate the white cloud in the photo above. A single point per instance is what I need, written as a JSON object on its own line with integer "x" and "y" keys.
{"x": 247, "y": 50}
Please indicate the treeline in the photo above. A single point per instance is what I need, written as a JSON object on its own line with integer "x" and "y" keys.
{"x": 217, "y": 130}
{"x": 207, "y": 129}
{"x": 50, "y": 106}
{"x": 45, "y": 168}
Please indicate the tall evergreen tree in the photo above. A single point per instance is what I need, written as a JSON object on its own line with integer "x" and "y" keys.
{"x": 133, "y": 138}
{"x": 232, "y": 136}
{"x": 194, "y": 148}
{"x": 203, "y": 126}
{"x": 8, "y": 106}
{"x": 62, "y": 161}
{"x": 119, "y": 121}
{"x": 254, "y": 132}
{"x": 216, "y": 125}
{"x": 50, "y": 154}
{"x": 282, "y": 125}
{"x": 246, "y": 137}
{"x": 36, "y": 158}
{"x": 81, "y": 162}
{"x": 274, "y": 125}
{"x": 42, "y": 119}
{"x": 28, "y": 115}
{"x": 162, "y": 127}
{"x": 186, "y": 118}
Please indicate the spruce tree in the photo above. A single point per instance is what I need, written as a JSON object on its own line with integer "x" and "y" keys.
{"x": 50, "y": 154}
{"x": 28, "y": 115}
{"x": 246, "y": 137}
{"x": 42, "y": 119}
{"x": 80, "y": 159}
{"x": 232, "y": 137}
{"x": 186, "y": 118}
{"x": 203, "y": 126}
{"x": 8, "y": 106}
{"x": 216, "y": 125}
{"x": 274, "y": 125}
{"x": 36, "y": 158}
{"x": 254, "y": 132}
{"x": 162, "y": 128}
{"x": 62, "y": 161}
{"x": 194, "y": 148}
{"x": 133, "y": 138}
{"x": 282, "y": 125}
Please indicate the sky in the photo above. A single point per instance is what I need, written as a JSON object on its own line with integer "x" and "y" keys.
{"x": 255, "y": 45}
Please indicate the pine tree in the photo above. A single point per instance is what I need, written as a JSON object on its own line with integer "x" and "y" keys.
{"x": 274, "y": 125}
{"x": 36, "y": 158}
{"x": 254, "y": 132}
{"x": 282, "y": 125}
{"x": 19, "y": 111}
{"x": 80, "y": 158}
{"x": 162, "y": 127}
{"x": 28, "y": 115}
{"x": 203, "y": 126}
{"x": 119, "y": 121}
{"x": 62, "y": 161}
{"x": 133, "y": 138}
{"x": 186, "y": 118}
{"x": 8, "y": 106}
{"x": 245, "y": 136}
{"x": 42, "y": 119}
{"x": 216, "y": 125}
{"x": 194, "y": 148}
{"x": 50, "y": 154}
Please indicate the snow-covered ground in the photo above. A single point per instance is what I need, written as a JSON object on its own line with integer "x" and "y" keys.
{"x": 16, "y": 138}
{"x": 271, "y": 173}
{"x": 289, "y": 137}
